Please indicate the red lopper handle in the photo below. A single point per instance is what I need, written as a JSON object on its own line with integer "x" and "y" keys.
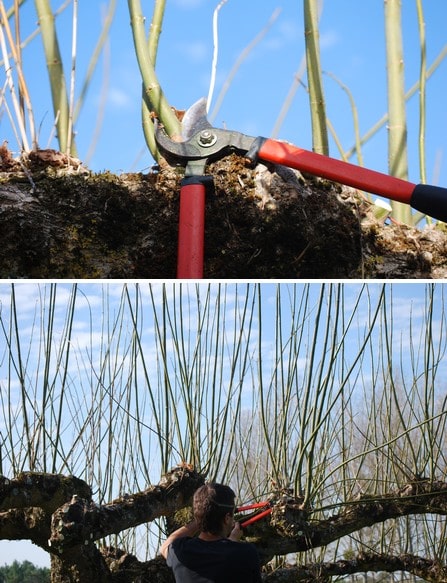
{"x": 337, "y": 170}
{"x": 256, "y": 517}
{"x": 430, "y": 200}
{"x": 255, "y": 505}
{"x": 191, "y": 231}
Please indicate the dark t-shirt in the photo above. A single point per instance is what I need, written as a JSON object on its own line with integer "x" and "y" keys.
{"x": 194, "y": 560}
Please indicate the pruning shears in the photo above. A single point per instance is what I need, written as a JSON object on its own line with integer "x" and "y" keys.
{"x": 203, "y": 143}
{"x": 262, "y": 509}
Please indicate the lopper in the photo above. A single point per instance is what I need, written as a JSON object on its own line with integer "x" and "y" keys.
{"x": 203, "y": 143}
{"x": 264, "y": 508}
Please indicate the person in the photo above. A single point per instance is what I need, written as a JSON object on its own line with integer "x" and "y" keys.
{"x": 216, "y": 555}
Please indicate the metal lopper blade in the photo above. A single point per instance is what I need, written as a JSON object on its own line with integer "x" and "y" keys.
{"x": 195, "y": 119}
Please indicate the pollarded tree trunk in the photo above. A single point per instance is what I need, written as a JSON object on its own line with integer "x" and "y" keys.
{"x": 57, "y": 220}
{"x": 58, "y": 514}
{"x": 80, "y": 563}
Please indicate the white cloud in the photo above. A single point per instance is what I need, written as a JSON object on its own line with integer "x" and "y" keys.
{"x": 329, "y": 39}
{"x": 197, "y": 52}
{"x": 289, "y": 30}
{"x": 120, "y": 99}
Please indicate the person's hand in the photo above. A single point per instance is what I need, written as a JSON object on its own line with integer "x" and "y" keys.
{"x": 236, "y": 533}
{"x": 192, "y": 527}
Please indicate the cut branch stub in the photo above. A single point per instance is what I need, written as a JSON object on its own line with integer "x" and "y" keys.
{"x": 290, "y": 530}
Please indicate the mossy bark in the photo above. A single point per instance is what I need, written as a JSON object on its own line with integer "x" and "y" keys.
{"x": 57, "y": 220}
{"x": 58, "y": 514}
{"x": 70, "y": 531}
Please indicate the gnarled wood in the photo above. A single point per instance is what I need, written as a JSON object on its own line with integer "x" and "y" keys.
{"x": 80, "y": 521}
{"x": 57, "y": 220}
{"x": 70, "y": 531}
{"x": 427, "y": 569}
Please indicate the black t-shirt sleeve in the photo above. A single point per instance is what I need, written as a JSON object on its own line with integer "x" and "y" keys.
{"x": 256, "y": 564}
{"x": 221, "y": 561}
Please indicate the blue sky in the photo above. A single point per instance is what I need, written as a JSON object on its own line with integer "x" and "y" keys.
{"x": 96, "y": 301}
{"x": 352, "y": 49}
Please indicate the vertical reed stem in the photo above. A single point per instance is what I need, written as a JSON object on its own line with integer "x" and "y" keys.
{"x": 397, "y": 129}
{"x": 422, "y": 82}
{"x": 55, "y": 68}
{"x": 154, "y": 36}
{"x": 153, "y": 92}
{"x": 316, "y": 95}
{"x": 72, "y": 78}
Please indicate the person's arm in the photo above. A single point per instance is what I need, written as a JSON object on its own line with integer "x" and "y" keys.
{"x": 236, "y": 533}
{"x": 188, "y": 530}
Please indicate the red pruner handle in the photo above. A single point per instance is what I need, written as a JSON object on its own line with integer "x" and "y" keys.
{"x": 256, "y": 517}
{"x": 254, "y": 506}
{"x": 336, "y": 170}
{"x": 430, "y": 200}
{"x": 191, "y": 233}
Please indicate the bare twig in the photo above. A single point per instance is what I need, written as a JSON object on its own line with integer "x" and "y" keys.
{"x": 24, "y": 97}
{"x": 23, "y": 139}
{"x": 243, "y": 55}
{"x": 215, "y": 53}
{"x": 297, "y": 81}
{"x": 408, "y": 95}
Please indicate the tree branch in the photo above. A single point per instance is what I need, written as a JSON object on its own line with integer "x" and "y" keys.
{"x": 81, "y": 520}
{"x": 47, "y": 491}
{"x": 25, "y": 524}
{"x": 427, "y": 569}
{"x": 292, "y": 530}
{"x": 26, "y": 505}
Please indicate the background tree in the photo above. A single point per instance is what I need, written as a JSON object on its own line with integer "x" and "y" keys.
{"x": 24, "y": 572}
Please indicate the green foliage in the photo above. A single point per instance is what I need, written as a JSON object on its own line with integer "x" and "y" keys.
{"x": 24, "y": 572}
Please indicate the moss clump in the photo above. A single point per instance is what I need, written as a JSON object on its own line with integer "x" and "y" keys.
{"x": 57, "y": 222}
